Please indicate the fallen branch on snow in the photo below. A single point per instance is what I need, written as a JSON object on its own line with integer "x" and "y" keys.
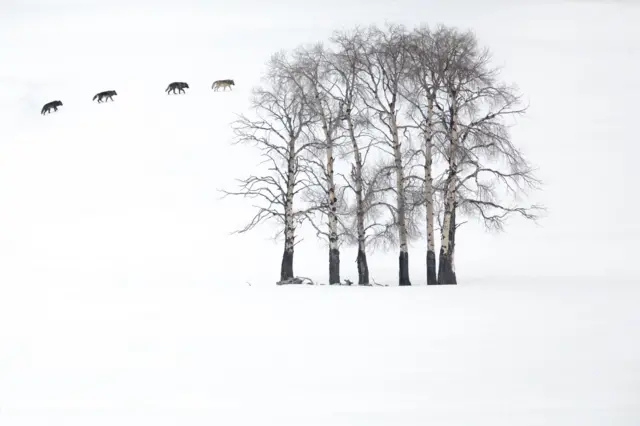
{"x": 378, "y": 284}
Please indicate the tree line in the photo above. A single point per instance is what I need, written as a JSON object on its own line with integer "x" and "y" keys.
{"x": 382, "y": 136}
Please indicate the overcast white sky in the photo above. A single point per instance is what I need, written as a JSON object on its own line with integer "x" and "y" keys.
{"x": 125, "y": 193}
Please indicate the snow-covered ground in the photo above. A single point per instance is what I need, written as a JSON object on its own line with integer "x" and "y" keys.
{"x": 522, "y": 353}
{"x": 122, "y": 295}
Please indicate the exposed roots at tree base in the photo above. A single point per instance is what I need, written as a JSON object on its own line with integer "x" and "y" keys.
{"x": 309, "y": 281}
{"x": 296, "y": 280}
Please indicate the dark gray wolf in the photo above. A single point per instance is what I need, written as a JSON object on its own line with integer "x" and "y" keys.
{"x": 179, "y": 86}
{"x": 51, "y": 105}
{"x": 109, "y": 94}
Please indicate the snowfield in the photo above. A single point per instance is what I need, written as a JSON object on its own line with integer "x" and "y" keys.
{"x": 122, "y": 293}
{"x": 517, "y": 353}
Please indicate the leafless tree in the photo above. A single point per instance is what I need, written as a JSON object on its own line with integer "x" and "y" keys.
{"x": 309, "y": 68}
{"x": 278, "y": 131}
{"x": 384, "y": 63}
{"x": 352, "y": 102}
{"x": 473, "y": 108}
{"x": 421, "y": 87}
{"x": 358, "y": 218}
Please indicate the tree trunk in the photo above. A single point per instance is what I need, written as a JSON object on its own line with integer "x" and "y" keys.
{"x": 446, "y": 274}
{"x": 334, "y": 266}
{"x": 286, "y": 268}
{"x": 452, "y": 244}
{"x": 432, "y": 277}
{"x": 445, "y": 268}
{"x": 447, "y": 271}
{"x": 356, "y": 176}
{"x": 403, "y": 237}
{"x": 428, "y": 178}
{"x": 334, "y": 251}
{"x": 363, "y": 267}
{"x": 403, "y": 271}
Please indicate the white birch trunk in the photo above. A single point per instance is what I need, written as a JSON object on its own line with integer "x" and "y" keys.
{"x": 286, "y": 268}
{"x": 445, "y": 272}
{"x": 400, "y": 205}
{"x": 334, "y": 251}
{"x": 332, "y": 214}
{"x": 428, "y": 188}
{"x": 356, "y": 174}
{"x": 449, "y": 193}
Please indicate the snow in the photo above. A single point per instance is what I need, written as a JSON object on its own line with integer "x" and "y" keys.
{"x": 123, "y": 298}
{"x": 537, "y": 352}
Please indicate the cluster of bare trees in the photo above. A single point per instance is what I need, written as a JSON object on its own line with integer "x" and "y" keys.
{"x": 383, "y": 136}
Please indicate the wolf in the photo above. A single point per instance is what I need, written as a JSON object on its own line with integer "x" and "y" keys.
{"x": 106, "y": 94}
{"x": 51, "y": 105}
{"x": 222, "y": 83}
{"x": 179, "y": 86}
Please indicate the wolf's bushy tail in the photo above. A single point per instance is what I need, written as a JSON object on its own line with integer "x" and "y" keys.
{"x": 95, "y": 97}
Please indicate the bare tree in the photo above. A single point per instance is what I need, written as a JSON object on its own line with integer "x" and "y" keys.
{"x": 420, "y": 90}
{"x": 344, "y": 66}
{"x": 309, "y": 69}
{"x": 479, "y": 152}
{"x": 323, "y": 105}
{"x": 383, "y": 66}
{"x": 278, "y": 132}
